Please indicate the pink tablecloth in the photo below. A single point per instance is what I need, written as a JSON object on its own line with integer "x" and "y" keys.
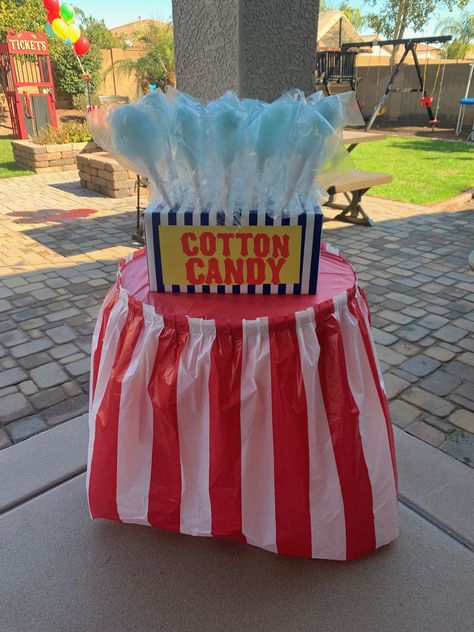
{"x": 258, "y": 418}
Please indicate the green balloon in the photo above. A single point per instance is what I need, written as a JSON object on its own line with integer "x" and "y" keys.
{"x": 67, "y": 12}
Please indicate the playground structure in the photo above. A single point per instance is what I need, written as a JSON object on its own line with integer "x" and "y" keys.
{"x": 336, "y": 68}
{"x": 464, "y": 102}
{"x": 410, "y": 46}
{"x": 26, "y": 78}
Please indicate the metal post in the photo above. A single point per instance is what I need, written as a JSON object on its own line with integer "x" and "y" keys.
{"x": 420, "y": 79}
{"x": 461, "y": 107}
{"x": 379, "y": 105}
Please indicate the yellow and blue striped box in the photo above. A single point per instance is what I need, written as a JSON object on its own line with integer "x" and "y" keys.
{"x": 200, "y": 251}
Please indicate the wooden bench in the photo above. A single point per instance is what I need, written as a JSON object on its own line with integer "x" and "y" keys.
{"x": 353, "y": 184}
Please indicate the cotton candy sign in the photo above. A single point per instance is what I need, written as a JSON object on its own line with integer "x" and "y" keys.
{"x": 199, "y": 252}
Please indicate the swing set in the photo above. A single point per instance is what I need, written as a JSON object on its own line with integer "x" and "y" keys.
{"x": 410, "y": 45}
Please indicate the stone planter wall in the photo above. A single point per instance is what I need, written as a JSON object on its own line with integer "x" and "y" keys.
{"x": 48, "y": 158}
{"x": 100, "y": 172}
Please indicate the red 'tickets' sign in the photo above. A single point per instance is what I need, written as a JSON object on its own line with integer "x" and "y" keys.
{"x": 27, "y": 43}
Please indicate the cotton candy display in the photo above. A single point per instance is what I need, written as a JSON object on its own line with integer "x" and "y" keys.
{"x": 230, "y": 155}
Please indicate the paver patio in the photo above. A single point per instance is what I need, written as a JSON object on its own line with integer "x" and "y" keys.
{"x": 56, "y": 264}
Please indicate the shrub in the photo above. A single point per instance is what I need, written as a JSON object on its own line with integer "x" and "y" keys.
{"x": 70, "y": 132}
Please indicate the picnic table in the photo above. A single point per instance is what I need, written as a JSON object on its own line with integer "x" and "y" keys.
{"x": 355, "y": 183}
{"x": 353, "y": 137}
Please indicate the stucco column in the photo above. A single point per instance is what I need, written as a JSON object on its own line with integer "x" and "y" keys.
{"x": 259, "y": 48}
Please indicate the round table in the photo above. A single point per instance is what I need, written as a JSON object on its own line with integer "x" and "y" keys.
{"x": 260, "y": 418}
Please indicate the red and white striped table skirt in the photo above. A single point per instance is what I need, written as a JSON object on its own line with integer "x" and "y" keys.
{"x": 257, "y": 418}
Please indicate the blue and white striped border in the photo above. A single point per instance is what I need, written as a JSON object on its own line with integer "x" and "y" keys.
{"x": 310, "y": 221}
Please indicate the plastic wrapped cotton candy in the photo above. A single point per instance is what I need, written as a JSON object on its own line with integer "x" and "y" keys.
{"x": 339, "y": 109}
{"x": 269, "y": 132}
{"x": 230, "y": 155}
{"x": 189, "y": 144}
{"x": 227, "y": 138}
{"x": 304, "y": 154}
{"x": 332, "y": 110}
{"x": 137, "y": 137}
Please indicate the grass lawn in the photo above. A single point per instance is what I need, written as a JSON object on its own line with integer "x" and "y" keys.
{"x": 8, "y": 167}
{"x": 423, "y": 170}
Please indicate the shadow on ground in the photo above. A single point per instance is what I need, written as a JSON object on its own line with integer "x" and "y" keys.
{"x": 77, "y": 231}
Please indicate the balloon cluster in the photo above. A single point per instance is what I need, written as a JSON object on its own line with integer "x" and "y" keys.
{"x": 61, "y": 24}
{"x": 229, "y": 155}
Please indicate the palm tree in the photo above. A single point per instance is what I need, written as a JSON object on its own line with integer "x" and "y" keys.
{"x": 462, "y": 30}
{"x": 156, "y": 65}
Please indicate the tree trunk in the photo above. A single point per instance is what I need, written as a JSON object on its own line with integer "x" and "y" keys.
{"x": 396, "y": 31}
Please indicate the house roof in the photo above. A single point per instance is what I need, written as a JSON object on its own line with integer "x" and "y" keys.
{"x": 328, "y": 35}
{"x": 327, "y": 19}
{"x": 129, "y": 31}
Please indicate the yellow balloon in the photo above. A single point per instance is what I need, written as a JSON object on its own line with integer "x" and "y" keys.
{"x": 60, "y": 28}
{"x": 74, "y": 32}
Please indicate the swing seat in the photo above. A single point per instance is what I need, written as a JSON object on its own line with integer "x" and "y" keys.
{"x": 426, "y": 102}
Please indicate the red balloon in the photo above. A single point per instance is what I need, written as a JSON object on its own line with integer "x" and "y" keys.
{"x": 52, "y": 6}
{"x": 82, "y": 45}
{"x": 52, "y": 15}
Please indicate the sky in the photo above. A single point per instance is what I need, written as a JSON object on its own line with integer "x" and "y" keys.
{"x": 117, "y": 12}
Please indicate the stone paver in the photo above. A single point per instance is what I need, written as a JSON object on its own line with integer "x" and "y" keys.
{"x": 394, "y": 385}
{"x": 5, "y": 441}
{"x": 48, "y": 375}
{"x": 14, "y": 406}
{"x": 25, "y": 428}
{"x": 463, "y": 419}
{"x": 441, "y": 383}
{"x": 402, "y": 413}
{"x": 460, "y": 444}
{"x": 56, "y": 267}
{"x": 428, "y": 433}
{"x": 12, "y": 376}
{"x": 420, "y": 365}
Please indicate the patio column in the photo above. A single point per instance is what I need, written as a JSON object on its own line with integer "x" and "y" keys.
{"x": 259, "y": 48}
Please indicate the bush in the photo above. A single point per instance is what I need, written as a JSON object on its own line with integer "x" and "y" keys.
{"x": 71, "y": 132}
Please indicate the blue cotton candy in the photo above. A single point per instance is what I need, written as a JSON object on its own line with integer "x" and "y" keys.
{"x": 138, "y": 138}
{"x": 229, "y": 154}
{"x": 272, "y": 128}
{"x": 227, "y": 134}
{"x": 188, "y": 132}
{"x": 332, "y": 110}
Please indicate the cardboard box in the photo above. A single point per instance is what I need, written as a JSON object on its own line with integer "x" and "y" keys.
{"x": 193, "y": 251}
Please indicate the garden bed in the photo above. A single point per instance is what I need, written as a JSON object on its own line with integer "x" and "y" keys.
{"x": 49, "y": 158}
{"x": 100, "y": 172}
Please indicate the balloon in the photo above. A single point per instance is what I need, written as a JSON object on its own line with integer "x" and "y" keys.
{"x": 52, "y": 15}
{"x": 67, "y": 12}
{"x": 82, "y": 45}
{"x": 51, "y": 5}
{"x": 49, "y": 31}
{"x": 60, "y": 28}
{"x": 68, "y": 41}
{"x": 74, "y": 32}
